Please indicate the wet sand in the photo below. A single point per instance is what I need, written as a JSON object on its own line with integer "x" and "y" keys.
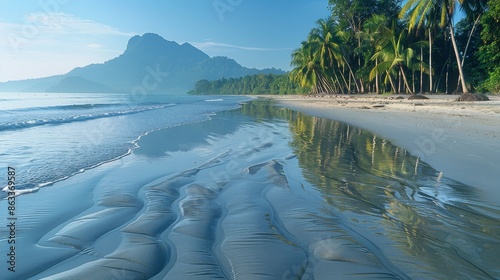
{"x": 258, "y": 193}
{"x": 460, "y": 139}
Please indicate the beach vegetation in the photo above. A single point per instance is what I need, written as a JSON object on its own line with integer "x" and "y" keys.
{"x": 394, "y": 57}
{"x": 274, "y": 84}
{"x": 489, "y": 50}
{"x": 432, "y": 12}
{"x": 402, "y": 47}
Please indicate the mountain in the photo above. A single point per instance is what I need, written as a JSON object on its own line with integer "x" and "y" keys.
{"x": 79, "y": 84}
{"x": 31, "y": 85}
{"x": 150, "y": 63}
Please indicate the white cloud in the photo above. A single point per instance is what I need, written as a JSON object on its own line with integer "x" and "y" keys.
{"x": 54, "y": 43}
{"x": 62, "y": 23}
{"x": 94, "y": 46}
{"x": 52, "y": 29}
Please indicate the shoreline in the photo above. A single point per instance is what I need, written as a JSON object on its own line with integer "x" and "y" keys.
{"x": 459, "y": 139}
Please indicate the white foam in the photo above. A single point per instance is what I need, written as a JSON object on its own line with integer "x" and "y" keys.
{"x": 214, "y": 100}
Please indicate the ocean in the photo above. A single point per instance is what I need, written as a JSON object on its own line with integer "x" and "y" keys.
{"x": 193, "y": 187}
{"x": 51, "y": 137}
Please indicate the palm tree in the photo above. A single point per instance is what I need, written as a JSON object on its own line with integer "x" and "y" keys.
{"x": 328, "y": 44}
{"x": 371, "y": 33}
{"x": 420, "y": 14}
{"x": 317, "y": 62}
{"x": 308, "y": 72}
{"x": 393, "y": 57}
{"x": 473, "y": 9}
{"x": 304, "y": 73}
{"x": 420, "y": 10}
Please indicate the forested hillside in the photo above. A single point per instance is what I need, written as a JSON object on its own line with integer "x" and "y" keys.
{"x": 256, "y": 84}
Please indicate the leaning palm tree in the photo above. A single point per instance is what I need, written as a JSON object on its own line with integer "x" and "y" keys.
{"x": 417, "y": 12}
{"x": 317, "y": 62}
{"x": 473, "y": 9}
{"x": 327, "y": 42}
{"x": 302, "y": 74}
{"x": 308, "y": 72}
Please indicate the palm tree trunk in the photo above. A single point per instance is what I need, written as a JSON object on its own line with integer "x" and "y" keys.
{"x": 361, "y": 86}
{"x": 349, "y": 83}
{"x": 392, "y": 83}
{"x": 431, "y": 88}
{"x": 447, "y": 74}
{"x": 413, "y": 80}
{"x": 321, "y": 85}
{"x": 345, "y": 82}
{"x": 468, "y": 42}
{"x": 399, "y": 82}
{"x": 354, "y": 81}
{"x": 470, "y": 36}
{"x": 352, "y": 74}
{"x": 405, "y": 80}
{"x": 349, "y": 76}
{"x": 457, "y": 56}
{"x": 329, "y": 84}
{"x": 338, "y": 85}
{"x": 421, "y": 70}
{"x": 376, "y": 78}
{"x": 440, "y": 76}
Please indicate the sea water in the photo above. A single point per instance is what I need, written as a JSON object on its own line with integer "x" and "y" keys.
{"x": 49, "y": 137}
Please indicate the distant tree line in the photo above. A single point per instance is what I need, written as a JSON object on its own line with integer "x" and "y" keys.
{"x": 249, "y": 85}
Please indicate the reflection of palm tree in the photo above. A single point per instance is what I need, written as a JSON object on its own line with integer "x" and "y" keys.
{"x": 395, "y": 206}
{"x": 410, "y": 222}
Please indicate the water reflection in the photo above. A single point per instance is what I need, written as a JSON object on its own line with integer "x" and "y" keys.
{"x": 426, "y": 224}
{"x": 161, "y": 142}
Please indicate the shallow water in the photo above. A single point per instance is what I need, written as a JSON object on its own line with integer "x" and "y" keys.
{"x": 259, "y": 193}
{"x": 50, "y": 137}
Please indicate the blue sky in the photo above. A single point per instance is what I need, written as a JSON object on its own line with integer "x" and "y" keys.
{"x": 47, "y": 37}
